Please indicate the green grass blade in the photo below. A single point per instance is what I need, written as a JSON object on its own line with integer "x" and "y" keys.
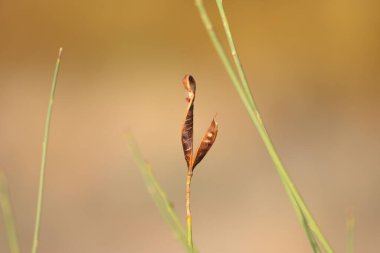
{"x": 243, "y": 90}
{"x": 350, "y": 227}
{"x": 159, "y": 197}
{"x": 234, "y": 53}
{"x": 310, "y": 235}
{"x": 44, "y": 156}
{"x": 6, "y": 208}
{"x": 221, "y": 52}
{"x": 303, "y": 221}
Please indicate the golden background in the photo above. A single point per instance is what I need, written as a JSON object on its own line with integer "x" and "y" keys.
{"x": 313, "y": 67}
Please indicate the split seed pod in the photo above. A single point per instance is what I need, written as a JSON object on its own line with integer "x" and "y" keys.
{"x": 187, "y": 129}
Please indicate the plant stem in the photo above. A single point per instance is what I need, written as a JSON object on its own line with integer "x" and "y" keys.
{"x": 9, "y": 222}
{"x": 301, "y": 217}
{"x": 44, "y": 156}
{"x": 158, "y": 194}
{"x": 350, "y": 225}
{"x": 188, "y": 211}
{"x": 221, "y": 52}
{"x": 265, "y": 137}
{"x": 234, "y": 53}
{"x": 248, "y": 101}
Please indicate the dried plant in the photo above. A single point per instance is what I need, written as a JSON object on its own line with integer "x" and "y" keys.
{"x": 187, "y": 143}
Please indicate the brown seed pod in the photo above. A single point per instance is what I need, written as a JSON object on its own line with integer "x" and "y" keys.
{"x": 206, "y": 143}
{"x": 187, "y": 129}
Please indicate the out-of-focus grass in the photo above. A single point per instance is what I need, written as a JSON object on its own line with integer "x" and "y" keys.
{"x": 6, "y": 208}
{"x": 350, "y": 228}
{"x": 44, "y": 156}
{"x": 158, "y": 195}
{"x": 4, "y": 194}
{"x": 240, "y": 83}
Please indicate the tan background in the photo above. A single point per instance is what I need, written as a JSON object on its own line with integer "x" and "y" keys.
{"x": 314, "y": 69}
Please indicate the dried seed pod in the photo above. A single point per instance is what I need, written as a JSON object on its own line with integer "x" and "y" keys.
{"x": 187, "y": 129}
{"x": 207, "y": 141}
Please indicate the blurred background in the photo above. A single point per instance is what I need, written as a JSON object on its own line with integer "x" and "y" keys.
{"x": 314, "y": 69}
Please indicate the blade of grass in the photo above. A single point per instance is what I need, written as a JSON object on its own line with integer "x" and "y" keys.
{"x": 158, "y": 195}
{"x": 221, "y": 53}
{"x": 292, "y": 192}
{"x": 350, "y": 227}
{"x": 306, "y": 215}
{"x": 235, "y": 55}
{"x": 301, "y": 217}
{"x": 310, "y": 235}
{"x": 44, "y": 156}
{"x": 243, "y": 90}
{"x": 6, "y": 208}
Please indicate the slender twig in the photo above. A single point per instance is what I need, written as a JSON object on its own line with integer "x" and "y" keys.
{"x": 248, "y": 101}
{"x": 9, "y": 222}
{"x": 44, "y": 156}
{"x": 188, "y": 211}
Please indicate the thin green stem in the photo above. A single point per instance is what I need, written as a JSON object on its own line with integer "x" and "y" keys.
{"x": 302, "y": 220}
{"x": 159, "y": 196}
{"x": 44, "y": 156}
{"x": 264, "y": 135}
{"x": 5, "y": 204}
{"x": 235, "y": 54}
{"x": 188, "y": 211}
{"x": 350, "y": 226}
{"x": 220, "y": 50}
{"x": 248, "y": 101}
{"x": 310, "y": 235}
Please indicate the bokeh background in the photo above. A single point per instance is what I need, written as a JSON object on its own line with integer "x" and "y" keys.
{"x": 314, "y": 69}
